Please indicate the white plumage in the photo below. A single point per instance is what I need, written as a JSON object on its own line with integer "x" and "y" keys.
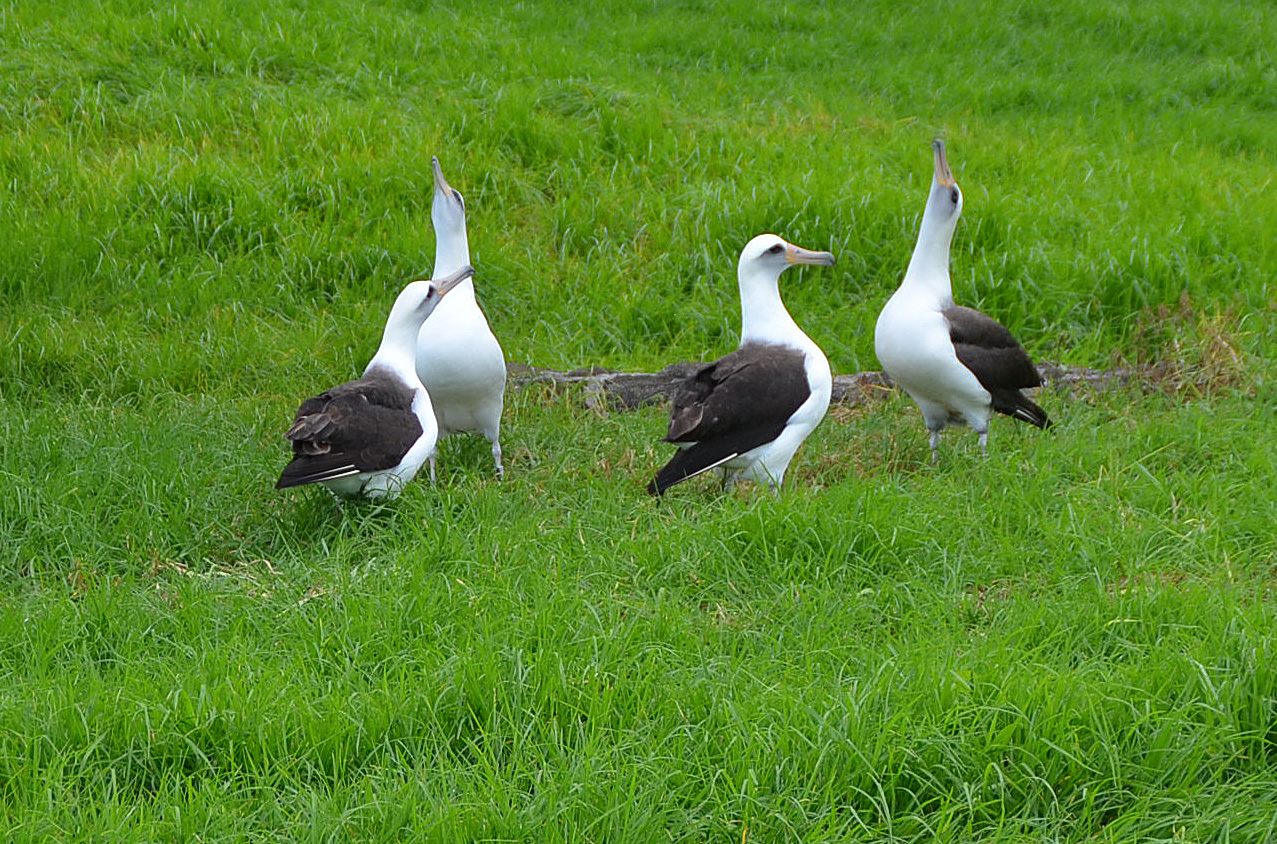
{"x": 748, "y": 412}
{"x": 458, "y": 357}
{"x": 957, "y": 364}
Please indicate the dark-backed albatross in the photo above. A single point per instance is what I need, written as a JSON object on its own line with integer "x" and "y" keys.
{"x": 957, "y": 364}
{"x": 458, "y": 357}
{"x": 370, "y": 436}
{"x": 748, "y": 411}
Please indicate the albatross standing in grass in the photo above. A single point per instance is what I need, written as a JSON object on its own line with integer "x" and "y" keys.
{"x": 370, "y": 436}
{"x": 458, "y": 357}
{"x": 748, "y": 411}
{"x": 957, "y": 364}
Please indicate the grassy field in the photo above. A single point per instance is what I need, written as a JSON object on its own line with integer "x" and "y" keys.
{"x": 207, "y": 210}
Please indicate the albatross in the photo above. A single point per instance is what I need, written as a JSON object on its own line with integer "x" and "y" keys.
{"x": 748, "y": 411}
{"x": 458, "y": 357}
{"x": 370, "y": 436}
{"x": 957, "y": 364}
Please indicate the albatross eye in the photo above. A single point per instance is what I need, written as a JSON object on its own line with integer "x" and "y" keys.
{"x": 953, "y": 195}
{"x": 776, "y": 250}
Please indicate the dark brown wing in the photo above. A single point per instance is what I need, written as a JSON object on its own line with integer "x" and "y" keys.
{"x": 735, "y": 404}
{"x": 756, "y": 385}
{"x": 998, "y": 361}
{"x": 364, "y": 425}
{"x": 987, "y": 348}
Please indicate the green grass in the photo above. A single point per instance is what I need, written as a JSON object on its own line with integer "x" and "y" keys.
{"x": 208, "y": 207}
{"x": 877, "y": 652}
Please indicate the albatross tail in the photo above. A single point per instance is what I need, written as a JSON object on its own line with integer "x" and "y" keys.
{"x": 1017, "y": 405}
{"x": 690, "y": 462}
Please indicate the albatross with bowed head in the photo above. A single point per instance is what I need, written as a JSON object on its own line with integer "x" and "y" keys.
{"x": 748, "y": 412}
{"x": 370, "y": 436}
{"x": 957, "y": 364}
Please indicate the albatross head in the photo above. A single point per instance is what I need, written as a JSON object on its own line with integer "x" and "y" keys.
{"x": 763, "y": 315}
{"x": 770, "y": 255}
{"x": 448, "y": 216}
{"x": 416, "y": 301}
{"x": 944, "y": 204}
{"x": 929, "y": 266}
{"x": 424, "y": 295}
{"x": 413, "y": 305}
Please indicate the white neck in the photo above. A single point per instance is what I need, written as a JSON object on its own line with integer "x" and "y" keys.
{"x": 764, "y": 318}
{"x": 452, "y": 252}
{"x": 929, "y": 267}
{"x": 398, "y": 349}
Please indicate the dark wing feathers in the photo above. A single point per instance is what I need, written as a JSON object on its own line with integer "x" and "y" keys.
{"x": 310, "y": 469}
{"x": 725, "y": 408}
{"x": 754, "y": 385}
{"x": 998, "y": 361}
{"x": 380, "y": 387}
{"x": 986, "y": 348}
{"x": 1017, "y": 404}
{"x": 364, "y": 425}
{"x": 693, "y": 460}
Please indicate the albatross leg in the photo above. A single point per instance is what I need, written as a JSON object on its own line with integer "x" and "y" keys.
{"x": 496, "y": 456}
{"x": 936, "y": 416}
{"x": 984, "y": 443}
{"x": 431, "y": 461}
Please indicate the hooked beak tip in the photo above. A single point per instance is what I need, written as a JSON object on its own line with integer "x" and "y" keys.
{"x": 944, "y": 176}
{"x": 444, "y": 285}
{"x": 798, "y": 255}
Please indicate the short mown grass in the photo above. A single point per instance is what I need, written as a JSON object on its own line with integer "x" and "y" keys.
{"x": 209, "y": 206}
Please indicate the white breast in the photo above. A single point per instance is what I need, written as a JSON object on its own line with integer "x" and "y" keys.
{"x": 462, "y": 365}
{"x": 912, "y": 342}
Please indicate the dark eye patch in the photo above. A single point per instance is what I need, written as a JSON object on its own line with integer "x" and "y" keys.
{"x": 776, "y": 250}
{"x": 953, "y": 195}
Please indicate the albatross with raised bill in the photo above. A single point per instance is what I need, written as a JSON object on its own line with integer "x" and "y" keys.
{"x": 458, "y": 357}
{"x": 748, "y": 411}
{"x": 957, "y": 364}
{"x": 370, "y": 436}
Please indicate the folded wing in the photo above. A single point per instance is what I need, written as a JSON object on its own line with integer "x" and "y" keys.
{"x": 364, "y": 425}
{"x": 998, "y": 361}
{"x": 726, "y": 408}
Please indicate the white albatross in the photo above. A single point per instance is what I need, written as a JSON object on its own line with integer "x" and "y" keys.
{"x": 748, "y": 412}
{"x": 458, "y": 357}
{"x": 370, "y": 436}
{"x": 957, "y": 364}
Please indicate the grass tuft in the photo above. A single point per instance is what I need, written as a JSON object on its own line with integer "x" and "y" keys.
{"x": 1195, "y": 353}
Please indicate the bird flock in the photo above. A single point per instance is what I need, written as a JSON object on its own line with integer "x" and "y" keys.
{"x": 440, "y": 370}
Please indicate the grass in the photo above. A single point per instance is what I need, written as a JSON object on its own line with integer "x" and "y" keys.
{"x": 209, "y": 206}
{"x": 874, "y": 654}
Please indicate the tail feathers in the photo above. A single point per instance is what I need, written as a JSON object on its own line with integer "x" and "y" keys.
{"x": 307, "y": 469}
{"x": 1019, "y": 406}
{"x": 690, "y": 462}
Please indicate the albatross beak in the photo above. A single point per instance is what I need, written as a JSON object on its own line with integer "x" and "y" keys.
{"x": 443, "y": 285}
{"x": 441, "y": 184}
{"x": 798, "y": 255}
{"x": 943, "y": 175}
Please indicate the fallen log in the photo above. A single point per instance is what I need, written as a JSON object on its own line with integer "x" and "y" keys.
{"x": 607, "y": 389}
